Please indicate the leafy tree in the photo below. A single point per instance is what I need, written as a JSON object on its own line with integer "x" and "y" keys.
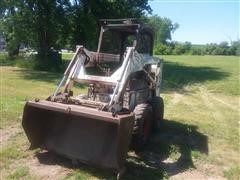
{"x": 48, "y": 27}
{"x": 50, "y": 24}
{"x": 187, "y": 47}
{"x": 197, "y": 49}
{"x": 178, "y": 48}
{"x": 37, "y": 23}
{"x": 86, "y": 14}
{"x": 235, "y": 48}
{"x": 222, "y": 48}
{"x": 12, "y": 26}
{"x": 163, "y": 28}
{"x": 163, "y": 49}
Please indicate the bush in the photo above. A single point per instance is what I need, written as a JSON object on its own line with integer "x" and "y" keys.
{"x": 163, "y": 49}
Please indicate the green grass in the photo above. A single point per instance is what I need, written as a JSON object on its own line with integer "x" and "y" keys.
{"x": 29, "y": 61}
{"x": 67, "y": 56}
{"x": 220, "y": 74}
{"x": 13, "y": 150}
{"x": 19, "y": 85}
{"x": 21, "y": 172}
{"x": 233, "y": 173}
{"x": 201, "y": 95}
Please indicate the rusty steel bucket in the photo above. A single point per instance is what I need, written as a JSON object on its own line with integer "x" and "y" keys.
{"x": 80, "y": 133}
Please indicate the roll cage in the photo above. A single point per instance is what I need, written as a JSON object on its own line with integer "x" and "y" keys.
{"x": 142, "y": 35}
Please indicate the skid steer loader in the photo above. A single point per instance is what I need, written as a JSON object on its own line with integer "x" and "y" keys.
{"x": 122, "y": 104}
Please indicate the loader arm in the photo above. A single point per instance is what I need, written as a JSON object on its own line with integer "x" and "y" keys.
{"x": 132, "y": 62}
{"x": 97, "y": 127}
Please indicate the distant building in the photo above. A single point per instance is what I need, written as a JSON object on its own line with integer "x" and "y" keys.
{"x": 2, "y": 43}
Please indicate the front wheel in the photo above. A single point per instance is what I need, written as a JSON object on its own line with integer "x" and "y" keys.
{"x": 158, "y": 112}
{"x": 142, "y": 125}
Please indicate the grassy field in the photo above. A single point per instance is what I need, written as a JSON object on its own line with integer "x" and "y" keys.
{"x": 199, "y": 138}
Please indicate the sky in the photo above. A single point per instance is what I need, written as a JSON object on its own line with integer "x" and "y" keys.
{"x": 201, "y": 21}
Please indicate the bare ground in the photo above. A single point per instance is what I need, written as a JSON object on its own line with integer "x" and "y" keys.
{"x": 7, "y": 133}
{"x": 46, "y": 165}
{"x": 48, "y": 169}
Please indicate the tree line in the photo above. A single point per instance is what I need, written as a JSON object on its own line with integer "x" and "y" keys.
{"x": 178, "y": 48}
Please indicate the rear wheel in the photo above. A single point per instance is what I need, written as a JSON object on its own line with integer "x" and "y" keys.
{"x": 158, "y": 112}
{"x": 142, "y": 125}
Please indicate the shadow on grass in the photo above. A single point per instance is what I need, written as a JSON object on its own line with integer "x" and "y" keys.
{"x": 39, "y": 75}
{"x": 168, "y": 153}
{"x": 173, "y": 147}
{"x": 176, "y": 76}
{"x": 43, "y": 76}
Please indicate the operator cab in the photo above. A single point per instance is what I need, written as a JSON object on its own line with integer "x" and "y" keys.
{"x": 125, "y": 32}
{"x": 118, "y": 34}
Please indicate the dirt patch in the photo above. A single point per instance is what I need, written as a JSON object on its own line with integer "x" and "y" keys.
{"x": 45, "y": 165}
{"x": 7, "y": 133}
{"x": 46, "y": 171}
{"x": 195, "y": 174}
{"x": 201, "y": 172}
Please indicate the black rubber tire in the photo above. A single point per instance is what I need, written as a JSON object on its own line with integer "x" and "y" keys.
{"x": 158, "y": 112}
{"x": 142, "y": 125}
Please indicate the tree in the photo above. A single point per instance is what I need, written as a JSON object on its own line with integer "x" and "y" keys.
{"x": 48, "y": 27}
{"x": 235, "y": 48}
{"x": 50, "y": 24}
{"x": 38, "y": 23}
{"x": 163, "y": 49}
{"x": 85, "y": 17}
{"x": 163, "y": 28}
{"x": 187, "y": 47}
{"x": 12, "y": 26}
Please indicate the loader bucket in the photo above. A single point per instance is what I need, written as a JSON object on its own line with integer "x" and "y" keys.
{"x": 80, "y": 133}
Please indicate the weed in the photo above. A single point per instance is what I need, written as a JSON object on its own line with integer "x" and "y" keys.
{"x": 21, "y": 172}
{"x": 233, "y": 173}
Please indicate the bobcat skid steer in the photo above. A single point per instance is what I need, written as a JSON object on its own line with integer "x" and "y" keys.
{"x": 121, "y": 106}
